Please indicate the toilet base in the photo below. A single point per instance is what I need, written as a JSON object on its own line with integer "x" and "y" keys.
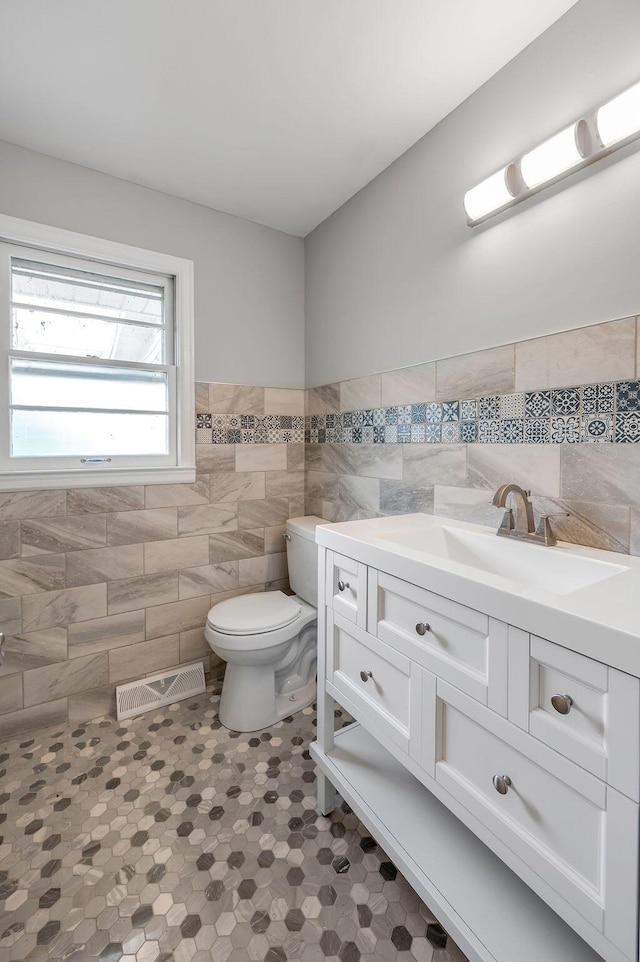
{"x": 295, "y": 701}
{"x": 261, "y": 707}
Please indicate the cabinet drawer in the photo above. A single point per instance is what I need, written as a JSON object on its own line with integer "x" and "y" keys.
{"x": 463, "y": 646}
{"x": 346, "y": 587}
{"x": 380, "y": 686}
{"x": 581, "y": 708}
{"x": 568, "y": 827}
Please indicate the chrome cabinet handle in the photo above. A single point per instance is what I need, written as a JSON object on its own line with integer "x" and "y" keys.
{"x": 501, "y": 784}
{"x": 562, "y": 703}
{"x": 342, "y": 585}
{"x": 422, "y": 627}
{"x": 366, "y": 675}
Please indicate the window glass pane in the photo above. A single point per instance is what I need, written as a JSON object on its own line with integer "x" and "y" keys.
{"x": 46, "y": 285}
{"x": 34, "y": 330}
{"x": 77, "y": 433}
{"x": 51, "y": 384}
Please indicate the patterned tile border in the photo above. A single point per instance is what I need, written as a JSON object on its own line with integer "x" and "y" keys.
{"x": 608, "y": 412}
{"x": 249, "y": 428}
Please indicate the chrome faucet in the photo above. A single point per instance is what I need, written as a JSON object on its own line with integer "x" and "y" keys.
{"x": 523, "y": 526}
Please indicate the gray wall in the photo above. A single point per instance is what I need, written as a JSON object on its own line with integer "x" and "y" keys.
{"x": 249, "y": 281}
{"x": 396, "y": 277}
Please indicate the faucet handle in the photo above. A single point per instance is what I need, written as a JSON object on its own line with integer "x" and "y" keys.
{"x": 544, "y": 529}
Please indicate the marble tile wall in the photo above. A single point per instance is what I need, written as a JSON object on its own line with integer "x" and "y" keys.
{"x": 597, "y": 483}
{"x": 102, "y": 585}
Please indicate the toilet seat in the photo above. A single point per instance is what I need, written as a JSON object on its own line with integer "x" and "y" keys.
{"x": 253, "y": 614}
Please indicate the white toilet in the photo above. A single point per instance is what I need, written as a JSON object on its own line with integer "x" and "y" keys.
{"x": 269, "y": 641}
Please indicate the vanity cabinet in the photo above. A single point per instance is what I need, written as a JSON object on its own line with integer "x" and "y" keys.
{"x": 520, "y": 756}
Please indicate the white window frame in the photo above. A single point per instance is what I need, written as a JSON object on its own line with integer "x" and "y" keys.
{"x": 95, "y": 252}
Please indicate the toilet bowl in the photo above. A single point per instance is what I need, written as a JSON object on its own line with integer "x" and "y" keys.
{"x": 269, "y": 641}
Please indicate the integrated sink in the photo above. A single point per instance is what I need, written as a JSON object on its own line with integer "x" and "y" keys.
{"x": 558, "y": 570}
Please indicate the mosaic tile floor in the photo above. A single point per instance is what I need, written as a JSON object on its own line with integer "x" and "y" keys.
{"x": 167, "y": 838}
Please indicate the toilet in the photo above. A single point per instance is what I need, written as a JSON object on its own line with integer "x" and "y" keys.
{"x": 269, "y": 641}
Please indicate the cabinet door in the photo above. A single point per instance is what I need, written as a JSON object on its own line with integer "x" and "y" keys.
{"x": 580, "y": 707}
{"x": 459, "y": 644}
{"x": 579, "y": 836}
{"x": 346, "y": 587}
{"x": 379, "y": 686}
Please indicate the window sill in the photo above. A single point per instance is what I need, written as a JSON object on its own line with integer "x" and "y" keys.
{"x": 94, "y": 477}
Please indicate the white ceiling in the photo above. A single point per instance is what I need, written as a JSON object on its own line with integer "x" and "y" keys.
{"x": 274, "y": 110}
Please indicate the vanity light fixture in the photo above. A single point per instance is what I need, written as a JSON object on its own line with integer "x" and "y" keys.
{"x": 598, "y": 134}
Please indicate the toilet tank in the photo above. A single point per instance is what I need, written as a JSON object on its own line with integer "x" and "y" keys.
{"x": 302, "y": 557}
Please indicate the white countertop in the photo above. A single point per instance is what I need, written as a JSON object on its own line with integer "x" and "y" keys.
{"x": 601, "y": 620}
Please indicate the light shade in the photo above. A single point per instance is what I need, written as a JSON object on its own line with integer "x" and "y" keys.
{"x": 488, "y": 195}
{"x": 552, "y": 158}
{"x": 620, "y": 118}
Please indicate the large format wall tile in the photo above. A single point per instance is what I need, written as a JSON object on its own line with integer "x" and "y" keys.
{"x": 149, "y": 656}
{"x": 32, "y": 504}
{"x": 175, "y": 554}
{"x": 368, "y": 460}
{"x": 261, "y": 457}
{"x": 237, "y": 486}
{"x": 208, "y": 579}
{"x": 177, "y": 616}
{"x": 101, "y": 634}
{"x": 170, "y": 495}
{"x": 104, "y": 564}
{"x": 130, "y": 594}
{"x": 28, "y": 719}
{"x": 233, "y": 545}
{"x": 10, "y": 694}
{"x": 130, "y": 527}
{"x": 9, "y": 540}
{"x": 29, "y": 575}
{"x": 207, "y": 519}
{"x": 603, "y": 472}
{"x": 434, "y": 463}
{"x": 475, "y": 375}
{"x": 409, "y": 385}
{"x": 323, "y": 400}
{"x": 402, "y": 497}
{"x": 603, "y": 352}
{"x": 283, "y": 401}
{"x": 56, "y": 681}
{"x": 232, "y": 398}
{"x": 59, "y": 608}
{"x": 63, "y": 534}
{"x": 535, "y": 468}
{"x": 99, "y": 500}
{"x": 360, "y": 393}
{"x": 258, "y": 514}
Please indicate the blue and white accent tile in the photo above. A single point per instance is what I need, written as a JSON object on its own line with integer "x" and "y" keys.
{"x": 450, "y": 411}
{"x": 356, "y": 435}
{"x": 418, "y": 413}
{"x": 367, "y": 418}
{"x": 203, "y": 435}
{"x": 347, "y": 419}
{"x": 627, "y": 427}
{"x": 358, "y": 419}
{"x": 404, "y": 415}
{"x": 489, "y": 432}
{"x": 511, "y": 431}
{"x": 219, "y": 422}
{"x": 565, "y": 401}
{"x": 379, "y": 431}
{"x": 404, "y": 433}
{"x": 512, "y": 406}
{"x": 433, "y": 433}
{"x": 468, "y": 432}
{"x": 489, "y": 408}
{"x": 434, "y": 412}
{"x": 203, "y": 421}
{"x": 451, "y": 433}
{"x": 218, "y": 436}
{"x": 418, "y": 433}
{"x": 248, "y": 422}
{"x": 391, "y": 415}
{"x": 597, "y": 427}
{"x": 391, "y": 434}
{"x": 627, "y": 396}
{"x": 537, "y": 404}
{"x": 598, "y": 398}
{"x": 367, "y": 434}
{"x": 379, "y": 419}
{"x": 565, "y": 430}
{"x": 468, "y": 410}
{"x": 536, "y": 430}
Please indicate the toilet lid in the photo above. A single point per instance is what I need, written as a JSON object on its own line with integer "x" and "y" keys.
{"x": 253, "y": 614}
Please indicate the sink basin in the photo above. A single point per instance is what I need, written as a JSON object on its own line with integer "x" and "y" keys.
{"x": 558, "y": 570}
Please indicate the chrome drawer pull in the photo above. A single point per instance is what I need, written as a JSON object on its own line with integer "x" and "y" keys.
{"x": 501, "y": 783}
{"x": 422, "y": 627}
{"x": 562, "y": 703}
{"x": 366, "y": 675}
{"x": 342, "y": 585}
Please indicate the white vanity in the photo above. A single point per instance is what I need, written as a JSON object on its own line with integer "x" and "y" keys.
{"x": 496, "y": 750}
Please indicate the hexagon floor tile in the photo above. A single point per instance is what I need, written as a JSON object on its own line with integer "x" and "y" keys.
{"x": 167, "y": 838}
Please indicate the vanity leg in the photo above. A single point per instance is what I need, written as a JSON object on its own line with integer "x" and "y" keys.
{"x": 325, "y": 796}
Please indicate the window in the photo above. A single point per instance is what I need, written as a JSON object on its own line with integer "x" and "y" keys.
{"x": 97, "y": 353}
